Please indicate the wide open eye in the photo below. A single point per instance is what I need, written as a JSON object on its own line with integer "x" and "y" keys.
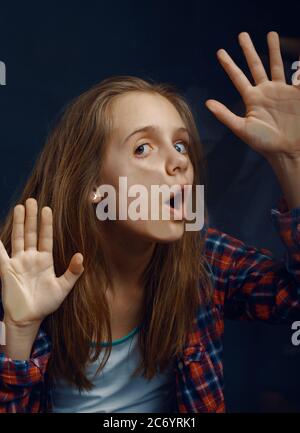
{"x": 139, "y": 149}
{"x": 185, "y": 147}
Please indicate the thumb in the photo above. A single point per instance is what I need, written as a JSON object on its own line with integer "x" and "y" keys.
{"x": 76, "y": 264}
{"x": 224, "y": 115}
{"x": 75, "y": 269}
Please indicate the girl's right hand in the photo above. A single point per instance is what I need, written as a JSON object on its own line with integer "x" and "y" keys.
{"x": 30, "y": 288}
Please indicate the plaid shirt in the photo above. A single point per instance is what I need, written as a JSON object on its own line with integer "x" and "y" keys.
{"x": 250, "y": 284}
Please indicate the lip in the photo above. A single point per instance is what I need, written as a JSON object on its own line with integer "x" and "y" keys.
{"x": 179, "y": 213}
{"x": 175, "y": 212}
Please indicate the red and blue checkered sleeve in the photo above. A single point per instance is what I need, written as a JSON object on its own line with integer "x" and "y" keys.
{"x": 250, "y": 283}
{"x": 22, "y": 382}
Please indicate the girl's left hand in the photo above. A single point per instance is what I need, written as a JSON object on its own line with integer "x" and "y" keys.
{"x": 271, "y": 125}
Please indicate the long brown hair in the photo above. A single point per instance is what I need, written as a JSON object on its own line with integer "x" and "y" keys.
{"x": 175, "y": 281}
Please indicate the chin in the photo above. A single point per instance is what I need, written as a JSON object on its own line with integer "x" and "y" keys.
{"x": 163, "y": 231}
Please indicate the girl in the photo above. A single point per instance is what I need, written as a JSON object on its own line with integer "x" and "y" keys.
{"x": 134, "y": 321}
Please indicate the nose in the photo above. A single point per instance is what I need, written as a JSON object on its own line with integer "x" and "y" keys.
{"x": 176, "y": 161}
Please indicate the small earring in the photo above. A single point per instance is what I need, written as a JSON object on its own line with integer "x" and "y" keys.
{"x": 96, "y": 196}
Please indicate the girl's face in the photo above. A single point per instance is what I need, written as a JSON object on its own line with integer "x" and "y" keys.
{"x": 149, "y": 145}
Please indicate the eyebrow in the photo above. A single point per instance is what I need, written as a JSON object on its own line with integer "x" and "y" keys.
{"x": 152, "y": 128}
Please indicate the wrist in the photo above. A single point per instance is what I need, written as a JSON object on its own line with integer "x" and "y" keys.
{"x": 21, "y": 325}
{"x": 19, "y": 339}
{"x": 283, "y": 158}
{"x": 287, "y": 171}
{"x": 21, "y": 329}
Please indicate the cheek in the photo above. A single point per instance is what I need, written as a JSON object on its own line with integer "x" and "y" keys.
{"x": 114, "y": 165}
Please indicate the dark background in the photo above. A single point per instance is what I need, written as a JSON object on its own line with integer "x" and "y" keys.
{"x": 54, "y": 51}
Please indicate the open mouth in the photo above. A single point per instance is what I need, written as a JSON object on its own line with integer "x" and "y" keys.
{"x": 175, "y": 203}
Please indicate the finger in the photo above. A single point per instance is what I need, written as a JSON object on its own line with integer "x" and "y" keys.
{"x": 253, "y": 60}
{"x": 17, "y": 235}
{"x": 236, "y": 75}
{"x": 276, "y": 63}
{"x": 222, "y": 113}
{"x": 46, "y": 230}
{"x": 30, "y": 239}
{"x": 75, "y": 269}
{"x": 4, "y": 257}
